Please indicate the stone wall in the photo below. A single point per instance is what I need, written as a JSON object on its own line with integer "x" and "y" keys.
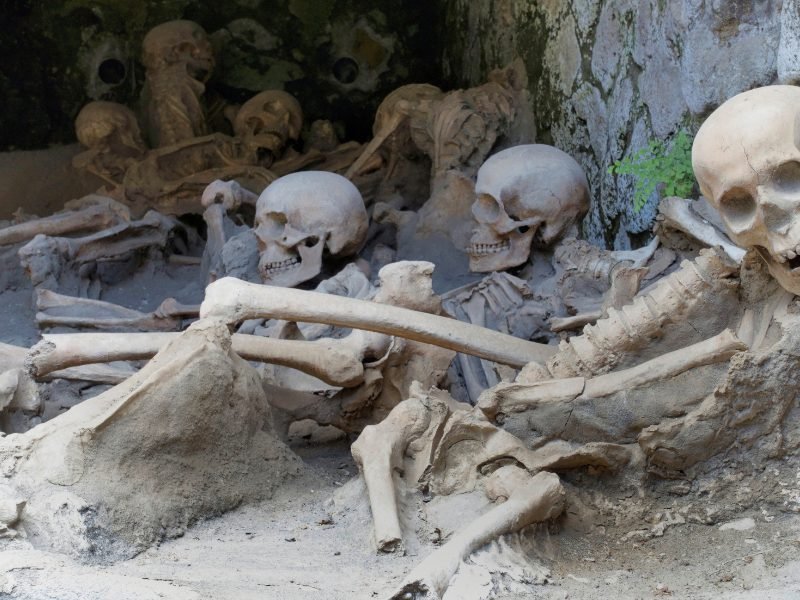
{"x": 607, "y": 76}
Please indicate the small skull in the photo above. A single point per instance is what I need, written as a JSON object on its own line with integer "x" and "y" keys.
{"x": 524, "y": 194}
{"x": 109, "y": 126}
{"x": 746, "y": 158}
{"x": 267, "y": 121}
{"x": 112, "y": 137}
{"x": 300, "y": 215}
{"x": 179, "y": 42}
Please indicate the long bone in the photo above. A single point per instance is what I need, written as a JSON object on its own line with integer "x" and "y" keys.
{"x": 151, "y": 230}
{"x": 58, "y": 310}
{"x": 90, "y": 218}
{"x": 530, "y": 500}
{"x": 628, "y": 331}
{"x": 235, "y": 300}
{"x": 516, "y": 397}
{"x": 331, "y": 362}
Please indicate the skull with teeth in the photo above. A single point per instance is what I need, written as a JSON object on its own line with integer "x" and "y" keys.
{"x": 524, "y": 194}
{"x": 300, "y": 215}
{"x": 267, "y": 121}
{"x": 746, "y": 158}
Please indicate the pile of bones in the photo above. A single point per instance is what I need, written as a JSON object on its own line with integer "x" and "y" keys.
{"x": 528, "y": 365}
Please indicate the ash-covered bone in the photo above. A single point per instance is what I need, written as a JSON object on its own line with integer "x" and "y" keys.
{"x": 97, "y": 215}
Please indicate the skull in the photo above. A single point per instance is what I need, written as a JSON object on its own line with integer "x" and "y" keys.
{"x": 109, "y": 126}
{"x": 179, "y": 42}
{"x": 746, "y": 158}
{"x": 524, "y": 193}
{"x": 299, "y": 215}
{"x": 268, "y": 120}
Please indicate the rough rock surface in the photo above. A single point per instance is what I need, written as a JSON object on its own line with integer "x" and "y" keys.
{"x": 607, "y": 77}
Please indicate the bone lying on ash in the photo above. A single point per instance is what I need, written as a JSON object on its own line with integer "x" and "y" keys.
{"x": 59, "y": 310}
{"x": 103, "y": 214}
{"x": 328, "y": 360}
{"x": 530, "y": 500}
{"x": 516, "y": 397}
{"x": 45, "y": 258}
{"x": 235, "y": 301}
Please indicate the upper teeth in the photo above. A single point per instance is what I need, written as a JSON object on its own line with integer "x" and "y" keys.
{"x": 490, "y": 248}
{"x": 283, "y": 265}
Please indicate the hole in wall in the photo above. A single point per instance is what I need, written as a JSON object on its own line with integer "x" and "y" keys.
{"x": 111, "y": 71}
{"x": 345, "y": 70}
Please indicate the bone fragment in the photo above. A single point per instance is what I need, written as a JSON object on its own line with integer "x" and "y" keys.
{"x": 326, "y": 360}
{"x": 92, "y": 217}
{"x": 539, "y": 499}
{"x": 235, "y": 300}
{"x": 58, "y": 310}
{"x": 229, "y": 194}
{"x": 517, "y": 397}
{"x": 677, "y": 213}
{"x": 574, "y": 322}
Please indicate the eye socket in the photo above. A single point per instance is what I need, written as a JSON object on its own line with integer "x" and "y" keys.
{"x": 271, "y": 225}
{"x": 486, "y": 209}
{"x": 786, "y": 178}
{"x": 523, "y": 229}
{"x": 737, "y": 207}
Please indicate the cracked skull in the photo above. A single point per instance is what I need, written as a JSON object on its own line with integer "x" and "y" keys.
{"x": 525, "y": 194}
{"x": 746, "y": 158}
{"x": 299, "y": 216}
{"x": 267, "y": 121}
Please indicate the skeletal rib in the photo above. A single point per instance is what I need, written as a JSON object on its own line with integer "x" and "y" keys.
{"x": 235, "y": 300}
{"x": 327, "y": 360}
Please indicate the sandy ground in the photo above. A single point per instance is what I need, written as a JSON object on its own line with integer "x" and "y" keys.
{"x": 312, "y": 540}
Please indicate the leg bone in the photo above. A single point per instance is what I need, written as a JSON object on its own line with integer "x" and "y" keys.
{"x": 538, "y": 499}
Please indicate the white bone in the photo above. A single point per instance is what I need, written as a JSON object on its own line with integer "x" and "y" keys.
{"x": 326, "y": 360}
{"x": 92, "y": 217}
{"x": 235, "y": 301}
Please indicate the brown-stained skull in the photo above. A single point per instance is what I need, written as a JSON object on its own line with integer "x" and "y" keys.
{"x": 267, "y": 121}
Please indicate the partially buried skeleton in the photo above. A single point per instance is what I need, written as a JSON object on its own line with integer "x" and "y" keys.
{"x": 700, "y": 364}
